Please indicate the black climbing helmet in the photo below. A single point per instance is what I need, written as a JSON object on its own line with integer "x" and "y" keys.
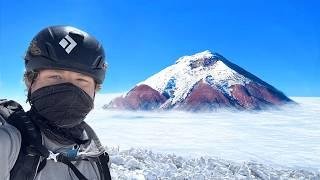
{"x": 66, "y": 48}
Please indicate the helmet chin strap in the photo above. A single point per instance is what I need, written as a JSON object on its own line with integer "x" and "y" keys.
{"x": 94, "y": 92}
{"x": 94, "y": 95}
{"x": 35, "y": 75}
{"x": 29, "y": 94}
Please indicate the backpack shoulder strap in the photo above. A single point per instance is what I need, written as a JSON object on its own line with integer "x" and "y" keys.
{"x": 102, "y": 160}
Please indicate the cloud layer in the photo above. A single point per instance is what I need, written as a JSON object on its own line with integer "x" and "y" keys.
{"x": 286, "y": 137}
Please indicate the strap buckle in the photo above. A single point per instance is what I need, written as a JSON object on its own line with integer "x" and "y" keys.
{"x": 53, "y": 156}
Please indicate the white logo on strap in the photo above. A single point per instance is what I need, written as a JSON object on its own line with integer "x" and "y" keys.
{"x": 67, "y": 43}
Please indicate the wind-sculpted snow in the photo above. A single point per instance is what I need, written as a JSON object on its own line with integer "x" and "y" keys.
{"x": 144, "y": 164}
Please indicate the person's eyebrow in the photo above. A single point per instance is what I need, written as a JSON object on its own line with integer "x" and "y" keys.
{"x": 80, "y": 74}
{"x": 58, "y": 71}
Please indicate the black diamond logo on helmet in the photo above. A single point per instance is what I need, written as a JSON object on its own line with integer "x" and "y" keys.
{"x": 67, "y": 43}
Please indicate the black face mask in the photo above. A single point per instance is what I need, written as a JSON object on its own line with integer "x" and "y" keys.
{"x": 63, "y": 105}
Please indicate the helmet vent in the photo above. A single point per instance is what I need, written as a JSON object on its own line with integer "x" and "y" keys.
{"x": 77, "y": 36}
{"x": 50, "y": 51}
{"x": 98, "y": 63}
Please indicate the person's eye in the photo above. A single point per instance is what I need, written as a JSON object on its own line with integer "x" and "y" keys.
{"x": 82, "y": 80}
{"x": 55, "y": 77}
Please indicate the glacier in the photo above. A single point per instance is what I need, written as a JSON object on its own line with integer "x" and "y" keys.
{"x": 145, "y": 164}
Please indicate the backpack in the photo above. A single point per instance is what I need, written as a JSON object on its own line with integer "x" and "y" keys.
{"x": 33, "y": 155}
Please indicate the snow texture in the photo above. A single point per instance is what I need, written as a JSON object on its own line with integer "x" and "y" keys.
{"x": 144, "y": 164}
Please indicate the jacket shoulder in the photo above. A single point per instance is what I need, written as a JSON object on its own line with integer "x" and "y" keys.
{"x": 10, "y": 143}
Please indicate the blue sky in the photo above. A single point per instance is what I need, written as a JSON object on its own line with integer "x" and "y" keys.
{"x": 279, "y": 41}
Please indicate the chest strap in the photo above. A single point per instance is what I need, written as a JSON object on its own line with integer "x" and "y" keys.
{"x": 102, "y": 162}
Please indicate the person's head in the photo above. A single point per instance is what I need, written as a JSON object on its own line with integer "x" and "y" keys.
{"x": 65, "y": 67}
{"x": 68, "y": 53}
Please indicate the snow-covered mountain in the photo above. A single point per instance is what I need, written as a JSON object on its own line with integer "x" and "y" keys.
{"x": 203, "y": 81}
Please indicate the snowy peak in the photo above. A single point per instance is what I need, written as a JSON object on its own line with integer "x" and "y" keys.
{"x": 196, "y": 57}
{"x": 200, "y": 80}
{"x": 202, "y": 59}
{"x": 176, "y": 81}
